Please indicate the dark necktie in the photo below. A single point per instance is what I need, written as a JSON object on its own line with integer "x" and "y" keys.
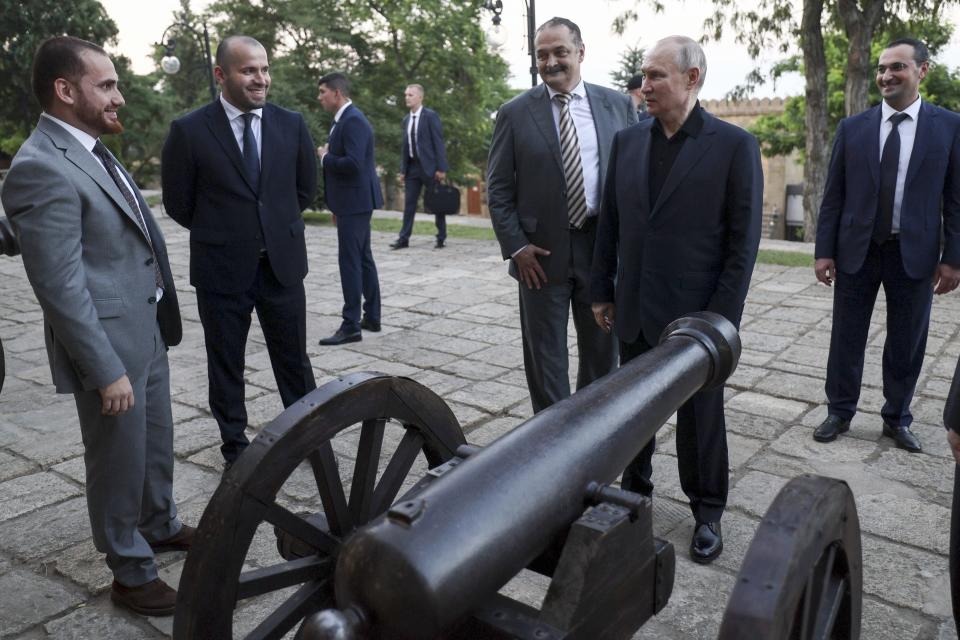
{"x": 572, "y": 164}
{"x": 251, "y": 160}
{"x": 413, "y": 137}
{"x": 889, "y": 164}
{"x": 111, "y": 166}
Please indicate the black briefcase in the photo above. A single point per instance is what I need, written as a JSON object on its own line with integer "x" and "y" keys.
{"x": 442, "y": 199}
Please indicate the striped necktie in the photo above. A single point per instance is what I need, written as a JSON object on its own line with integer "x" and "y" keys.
{"x": 572, "y": 165}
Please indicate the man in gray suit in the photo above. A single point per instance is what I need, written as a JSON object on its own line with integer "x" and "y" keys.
{"x": 546, "y": 167}
{"x": 98, "y": 264}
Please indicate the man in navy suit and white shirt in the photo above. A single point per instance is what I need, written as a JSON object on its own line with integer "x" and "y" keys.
{"x": 352, "y": 190}
{"x": 237, "y": 173}
{"x": 678, "y": 233}
{"x": 423, "y": 161}
{"x": 893, "y": 184}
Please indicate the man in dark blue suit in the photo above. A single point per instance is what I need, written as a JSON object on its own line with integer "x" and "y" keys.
{"x": 238, "y": 173}
{"x": 352, "y": 190}
{"x": 894, "y": 176}
{"x": 423, "y": 161}
{"x": 679, "y": 232}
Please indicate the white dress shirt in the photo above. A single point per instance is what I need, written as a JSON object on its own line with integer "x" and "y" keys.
{"x": 88, "y": 142}
{"x": 235, "y": 116}
{"x": 908, "y": 133}
{"x": 414, "y": 121}
{"x": 586, "y": 139}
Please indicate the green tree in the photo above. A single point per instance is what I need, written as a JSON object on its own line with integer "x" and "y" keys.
{"x": 628, "y": 66}
{"x": 382, "y": 45}
{"x": 767, "y": 25}
{"x": 784, "y": 133}
{"x": 23, "y": 27}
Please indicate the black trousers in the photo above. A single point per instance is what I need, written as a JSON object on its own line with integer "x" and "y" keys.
{"x": 226, "y": 321}
{"x": 908, "y": 318}
{"x": 701, "y": 449}
{"x": 414, "y": 181}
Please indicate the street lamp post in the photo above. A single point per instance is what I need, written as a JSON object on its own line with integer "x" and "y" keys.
{"x": 496, "y": 6}
{"x": 171, "y": 64}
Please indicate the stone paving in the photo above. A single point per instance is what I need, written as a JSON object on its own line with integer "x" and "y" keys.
{"x": 450, "y": 321}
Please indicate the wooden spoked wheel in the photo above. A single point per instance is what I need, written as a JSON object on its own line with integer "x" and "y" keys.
{"x": 802, "y": 577}
{"x": 385, "y": 424}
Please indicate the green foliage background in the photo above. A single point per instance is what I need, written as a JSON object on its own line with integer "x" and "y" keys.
{"x": 382, "y": 45}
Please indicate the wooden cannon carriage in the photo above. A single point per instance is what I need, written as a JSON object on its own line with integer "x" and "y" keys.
{"x": 397, "y": 553}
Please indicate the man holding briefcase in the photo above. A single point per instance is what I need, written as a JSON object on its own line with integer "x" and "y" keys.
{"x": 423, "y": 161}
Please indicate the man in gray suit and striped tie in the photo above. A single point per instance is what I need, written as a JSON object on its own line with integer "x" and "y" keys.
{"x": 545, "y": 172}
{"x": 98, "y": 264}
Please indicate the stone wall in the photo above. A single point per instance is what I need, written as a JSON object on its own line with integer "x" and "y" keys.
{"x": 778, "y": 171}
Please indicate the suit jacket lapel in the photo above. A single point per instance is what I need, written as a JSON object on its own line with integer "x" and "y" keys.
{"x": 542, "y": 113}
{"x": 223, "y": 133}
{"x": 87, "y": 163}
{"x": 872, "y": 144}
{"x": 921, "y": 141}
{"x": 269, "y": 142}
{"x": 602, "y": 113}
{"x": 691, "y": 152}
{"x": 643, "y": 169}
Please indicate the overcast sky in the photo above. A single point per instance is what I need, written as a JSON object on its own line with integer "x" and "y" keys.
{"x": 141, "y": 24}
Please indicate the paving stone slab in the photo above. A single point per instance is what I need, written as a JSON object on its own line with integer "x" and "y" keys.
{"x": 102, "y": 621}
{"x": 916, "y": 469}
{"x": 12, "y": 466}
{"x": 47, "y": 530}
{"x": 193, "y": 435}
{"x": 689, "y": 611}
{"x": 487, "y": 432}
{"x": 753, "y": 426}
{"x": 474, "y": 370}
{"x": 488, "y": 395}
{"x": 754, "y": 492}
{"x": 27, "y": 493}
{"x": 768, "y": 406}
{"x": 906, "y": 520}
{"x": 27, "y": 599}
{"x": 793, "y": 387}
{"x": 798, "y": 442}
{"x": 906, "y": 576}
{"x": 883, "y": 622}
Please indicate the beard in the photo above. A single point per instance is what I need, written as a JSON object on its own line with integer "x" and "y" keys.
{"x": 96, "y": 118}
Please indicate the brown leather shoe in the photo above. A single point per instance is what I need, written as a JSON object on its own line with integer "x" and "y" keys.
{"x": 156, "y": 598}
{"x": 180, "y": 541}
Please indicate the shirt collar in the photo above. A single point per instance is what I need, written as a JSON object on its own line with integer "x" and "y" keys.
{"x": 913, "y": 110}
{"x": 336, "y": 117}
{"x": 82, "y": 137}
{"x": 233, "y": 113}
{"x": 691, "y": 127}
{"x": 416, "y": 113}
{"x": 579, "y": 91}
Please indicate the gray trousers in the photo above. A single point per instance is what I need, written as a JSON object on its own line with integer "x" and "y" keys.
{"x": 544, "y": 314}
{"x": 129, "y": 465}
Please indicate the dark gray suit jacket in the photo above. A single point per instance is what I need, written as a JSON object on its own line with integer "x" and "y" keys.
{"x": 88, "y": 262}
{"x": 525, "y": 184}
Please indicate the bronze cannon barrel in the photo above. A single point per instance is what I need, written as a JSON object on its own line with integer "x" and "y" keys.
{"x": 435, "y": 556}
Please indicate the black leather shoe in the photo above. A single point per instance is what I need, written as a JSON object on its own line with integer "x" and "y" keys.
{"x": 399, "y": 244}
{"x": 439, "y": 244}
{"x": 903, "y": 437}
{"x": 341, "y": 337}
{"x": 369, "y": 325}
{"x": 707, "y": 542}
{"x": 830, "y": 428}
